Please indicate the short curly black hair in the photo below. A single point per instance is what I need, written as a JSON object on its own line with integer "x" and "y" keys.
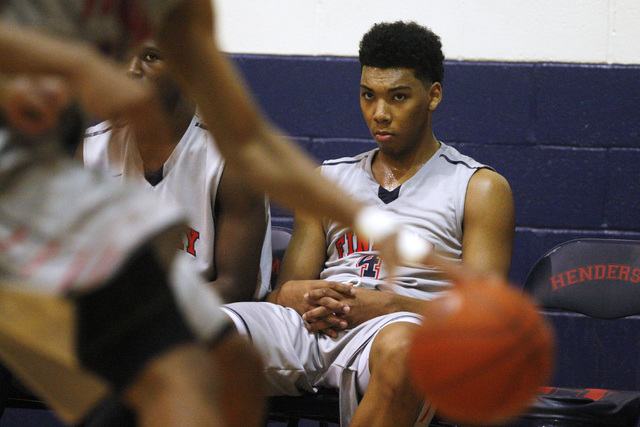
{"x": 403, "y": 45}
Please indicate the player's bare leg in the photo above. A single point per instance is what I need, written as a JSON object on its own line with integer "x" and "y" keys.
{"x": 240, "y": 381}
{"x": 389, "y": 399}
{"x": 177, "y": 388}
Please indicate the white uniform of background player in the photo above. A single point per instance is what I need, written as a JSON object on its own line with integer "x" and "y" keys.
{"x": 431, "y": 204}
{"x": 190, "y": 179}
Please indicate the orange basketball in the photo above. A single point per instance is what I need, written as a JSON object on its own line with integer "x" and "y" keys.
{"x": 481, "y": 354}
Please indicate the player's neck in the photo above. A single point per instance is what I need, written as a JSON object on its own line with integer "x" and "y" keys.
{"x": 181, "y": 117}
{"x": 393, "y": 169}
{"x": 153, "y": 158}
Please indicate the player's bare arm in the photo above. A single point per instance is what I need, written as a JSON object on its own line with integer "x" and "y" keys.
{"x": 240, "y": 228}
{"x": 271, "y": 161}
{"x": 489, "y": 224}
{"x": 98, "y": 83}
{"x": 304, "y": 259}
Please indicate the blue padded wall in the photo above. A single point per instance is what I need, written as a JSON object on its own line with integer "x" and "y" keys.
{"x": 566, "y": 136}
{"x": 596, "y": 353}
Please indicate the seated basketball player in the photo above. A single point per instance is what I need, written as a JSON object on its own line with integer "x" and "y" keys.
{"x": 464, "y": 208}
{"x": 227, "y": 221}
{"x": 139, "y": 318}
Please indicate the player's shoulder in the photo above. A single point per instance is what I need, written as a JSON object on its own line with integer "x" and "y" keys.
{"x": 343, "y": 167}
{"x": 488, "y": 181}
{"x": 197, "y": 147}
{"x": 347, "y": 161}
{"x": 451, "y": 156}
{"x": 102, "y": 129}
{"x": 95, "y": 147}
{"x": 199, "y": 137}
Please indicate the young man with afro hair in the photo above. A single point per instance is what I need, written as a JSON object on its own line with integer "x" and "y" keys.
{"x": 324, "y": 331}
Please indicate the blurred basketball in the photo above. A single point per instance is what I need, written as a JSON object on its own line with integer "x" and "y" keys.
{"x": 481, "y": 354}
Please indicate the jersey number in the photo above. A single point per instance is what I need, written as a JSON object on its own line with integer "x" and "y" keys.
{"x": 369, "y": 266}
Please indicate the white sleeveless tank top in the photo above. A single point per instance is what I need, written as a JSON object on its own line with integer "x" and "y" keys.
{"x": 190, "y": 179}
{"x": 430, "y": 204}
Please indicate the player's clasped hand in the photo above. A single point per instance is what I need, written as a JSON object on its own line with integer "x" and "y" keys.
{"x": 328, "y": 304}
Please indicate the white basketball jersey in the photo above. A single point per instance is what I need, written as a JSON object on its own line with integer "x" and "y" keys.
{"x": 430, "y": 203}
{"x": 190, "y": 179}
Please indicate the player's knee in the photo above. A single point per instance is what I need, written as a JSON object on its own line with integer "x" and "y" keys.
{"x": 388, "y": 353}
{"x": 236, "y": 354}
{"x": 182, "y": 371}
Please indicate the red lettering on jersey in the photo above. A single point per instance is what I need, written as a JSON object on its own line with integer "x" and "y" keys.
{"x": 601, "y": 271}
{"x": 572, "y": 277}
{"x": 363, "y": 245}
{"x": 192, "y": 236}
{"x": 612, "y": 271}
{"x": 340, "y": 246}
{"x": 635, "y": 275}
{"x": 350, "y": 243}
{"x": 275, "y": 268}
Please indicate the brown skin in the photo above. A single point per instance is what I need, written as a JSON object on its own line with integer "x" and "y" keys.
{"x": 241, "y": 223}
{"x": 398, "y": 109}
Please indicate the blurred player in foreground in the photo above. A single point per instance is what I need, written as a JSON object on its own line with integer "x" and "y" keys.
{"x": 105, "y": 304}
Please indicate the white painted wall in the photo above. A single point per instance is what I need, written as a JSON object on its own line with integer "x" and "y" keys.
{"x": 589, "y": 31}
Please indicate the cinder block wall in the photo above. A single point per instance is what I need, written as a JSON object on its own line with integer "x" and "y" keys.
{"x": 565, "y": 135}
